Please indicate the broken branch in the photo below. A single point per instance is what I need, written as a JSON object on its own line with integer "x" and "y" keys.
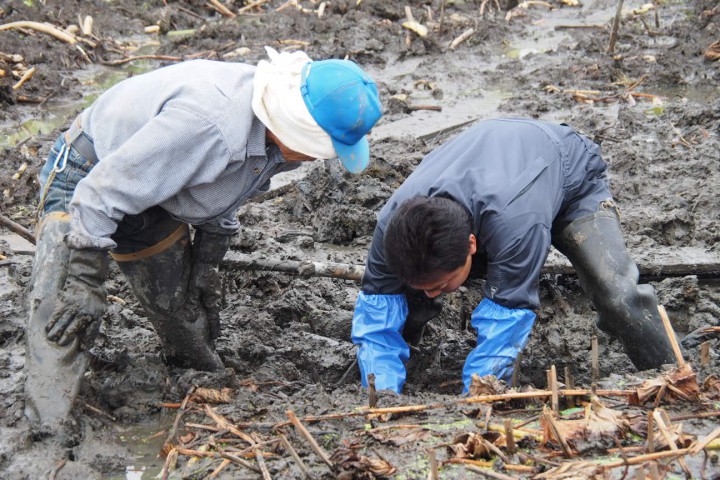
{"x": 671, "y": 336}
{"x": 44, "y": 28}
{"x": 17, "y": 228}
{"x": 305, "y": 433}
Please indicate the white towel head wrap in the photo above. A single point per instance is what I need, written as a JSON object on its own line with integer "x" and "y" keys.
{"x": 278, "y": 103}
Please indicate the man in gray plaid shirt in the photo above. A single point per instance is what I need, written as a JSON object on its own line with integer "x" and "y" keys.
{"x": 183, "y": 145}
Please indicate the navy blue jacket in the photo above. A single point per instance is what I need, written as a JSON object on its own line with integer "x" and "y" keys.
{"x": 519, "y": 179}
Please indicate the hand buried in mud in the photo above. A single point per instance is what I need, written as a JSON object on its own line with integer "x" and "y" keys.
{"x": 206, "y": 289}
{"x": 82, "y": 301}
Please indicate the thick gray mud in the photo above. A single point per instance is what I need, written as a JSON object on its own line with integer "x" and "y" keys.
{"x": 286, "y": 337}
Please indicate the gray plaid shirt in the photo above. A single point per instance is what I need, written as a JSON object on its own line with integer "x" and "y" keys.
{"x": 183, "y": 137}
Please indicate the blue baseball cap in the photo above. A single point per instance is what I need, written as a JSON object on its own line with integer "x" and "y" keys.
{"x": 344, "y": 101}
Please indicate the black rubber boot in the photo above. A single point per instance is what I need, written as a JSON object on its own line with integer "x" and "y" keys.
{"x": 421, "y": 309}
{"x": 595, "y": 246}
{"x": 159, "y": 276}
{"x": 52, "y": 372}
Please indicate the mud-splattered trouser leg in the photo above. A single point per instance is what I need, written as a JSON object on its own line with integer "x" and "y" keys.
{"x": 594, "y": 245}
{"x": 52, "y": 372}
{"x": 154, "y": 252}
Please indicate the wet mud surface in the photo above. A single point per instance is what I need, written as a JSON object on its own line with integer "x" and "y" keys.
{"x": 653, "y": 105}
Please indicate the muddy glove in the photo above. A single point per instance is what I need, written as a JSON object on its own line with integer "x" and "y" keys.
{"x": 82, "y": 300}
{"x": 205, "y": 284}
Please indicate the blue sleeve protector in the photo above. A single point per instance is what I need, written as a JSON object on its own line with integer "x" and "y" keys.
{"x": 501, "y": 334}
{"x": 377, "y": 329}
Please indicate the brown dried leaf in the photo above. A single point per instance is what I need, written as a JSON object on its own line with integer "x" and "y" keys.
{"x": 351, "y": 464}
{"x": 713, "y": 51}
{"x": 477, "y": 445}
{"x": 212, "y": 395}
{"x": 598, "y": 430}
{"x": 678, "y": 383}
{"x": 711, "y": 387}
{"x": 469, "y": 445}
{"x": 399, "y": 437}
{"x": 486, "y": 385}
{"x": 604, "y": 423}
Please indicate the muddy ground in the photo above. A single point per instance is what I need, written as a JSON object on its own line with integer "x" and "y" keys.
{"x": 653, "y": 104}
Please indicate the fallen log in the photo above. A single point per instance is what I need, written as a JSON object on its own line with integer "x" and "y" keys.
{"x": 302, "y": 268}
{"x": 677, "y": 263}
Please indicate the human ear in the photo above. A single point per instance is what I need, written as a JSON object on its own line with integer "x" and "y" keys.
{"x": 472, "y": 244}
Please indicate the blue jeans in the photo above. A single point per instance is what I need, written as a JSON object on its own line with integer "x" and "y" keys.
{"x": 64, "y": 168}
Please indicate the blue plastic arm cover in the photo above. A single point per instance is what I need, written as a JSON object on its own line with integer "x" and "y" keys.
{"x": 501, "y": 334}
{"x": 377, "y": 329}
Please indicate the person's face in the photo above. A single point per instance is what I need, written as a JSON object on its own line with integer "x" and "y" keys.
{"x": 289, "y": 155}
{"x": 449, "y": 281}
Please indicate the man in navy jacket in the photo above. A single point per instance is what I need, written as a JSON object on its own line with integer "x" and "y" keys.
{"x": 500, "y": 194}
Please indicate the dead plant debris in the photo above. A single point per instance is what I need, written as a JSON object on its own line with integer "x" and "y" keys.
{"x": 613, "y": 437}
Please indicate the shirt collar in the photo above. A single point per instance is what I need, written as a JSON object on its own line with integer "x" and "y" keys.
{"x": 256, "y": 140}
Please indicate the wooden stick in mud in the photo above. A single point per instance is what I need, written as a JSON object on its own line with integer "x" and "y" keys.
{"x": 615, "y": 27}
{"x": 461, "y": 38}
{"x": 363, "y": 411}
{"x": 261, "y": 462}
{"x": 372, "y": 392}
{"x": 553, "y": 387}
{"x": 220, "y": 468}
{"x": 595, "y": 362}
{"x": 17, "y": 228}
{"x": 489, "y": 473}
{"x": 44, "y": 28}
{"x": 172, "y": 437}
{"x": 306, "y": 269}
{"x": 707, "y": 265}
{"x": 295, "y": 455}
{"x": 252, "y": 5}
{"x": 550, "y": 419}
{"x": 227, "y": 425}
{"x": 432, "y": 461}
{"x": 671, "y": 336}
{"x": 225, "y": 455}
{"x": 664, "y": 428}
{"x": 509, "y": 436}
{"x": 25, "y": 77}
{"x": 221, "y": 8}
{"x": 705, "y": 353}
{"x": 563, "y": 27}
{"x": 305, "y": 433}
{"x": 569, "y": 383}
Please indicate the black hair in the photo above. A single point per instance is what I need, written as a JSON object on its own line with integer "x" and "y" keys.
{"x": 426, "y": 238}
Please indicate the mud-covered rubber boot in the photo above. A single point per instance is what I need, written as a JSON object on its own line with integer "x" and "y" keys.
{"x": 52, "y": 372}
{"x": 159, "y": 276}
{"x": 595, "y": 246}
{"x": 421, "y": 309}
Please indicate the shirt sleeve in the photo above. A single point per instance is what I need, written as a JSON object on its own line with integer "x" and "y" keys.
{"x": 513, "y": 273}
{"x": 176, "y": 149}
